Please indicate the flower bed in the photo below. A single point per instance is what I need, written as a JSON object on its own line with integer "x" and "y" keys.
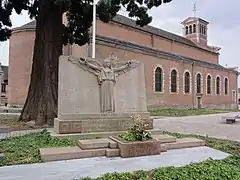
{"x": 137, "y": 141}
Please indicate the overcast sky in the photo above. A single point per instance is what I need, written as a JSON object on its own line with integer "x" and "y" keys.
{"x": 223, "y": 32}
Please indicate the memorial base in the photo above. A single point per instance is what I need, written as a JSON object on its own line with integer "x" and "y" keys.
{"x": 88, "y": 123}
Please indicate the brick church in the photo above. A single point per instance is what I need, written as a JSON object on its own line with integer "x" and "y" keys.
{"x": 180, "y": 71}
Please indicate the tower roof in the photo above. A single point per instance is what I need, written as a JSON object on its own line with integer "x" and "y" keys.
{"x": 190, "y": 19}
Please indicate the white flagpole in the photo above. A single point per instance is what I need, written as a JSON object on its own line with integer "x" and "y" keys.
{"x": 94, "y": 29}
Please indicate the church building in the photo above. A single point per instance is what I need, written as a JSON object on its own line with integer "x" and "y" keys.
{"x": 180, "y": 71}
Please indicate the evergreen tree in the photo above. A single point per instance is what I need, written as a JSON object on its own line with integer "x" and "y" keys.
{"x": 52, "y": 34}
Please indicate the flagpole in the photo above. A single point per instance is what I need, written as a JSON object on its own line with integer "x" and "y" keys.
{"x": 94, "y": 29}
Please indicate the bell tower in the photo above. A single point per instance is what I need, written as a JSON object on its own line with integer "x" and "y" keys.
{"x": 196, "y": 29}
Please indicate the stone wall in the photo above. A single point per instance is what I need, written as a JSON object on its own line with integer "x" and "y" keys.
{"x": 79, "y": 90}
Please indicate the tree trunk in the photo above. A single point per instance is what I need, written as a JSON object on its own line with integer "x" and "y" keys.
{"x": 41, "y": 102}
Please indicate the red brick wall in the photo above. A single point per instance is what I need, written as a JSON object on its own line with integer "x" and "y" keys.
{"x": 167, "y": 99}
{"x": 147, "y": 39}
{"x": 21, "y": 46}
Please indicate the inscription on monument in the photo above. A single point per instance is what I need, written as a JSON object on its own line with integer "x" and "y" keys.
{"x": 70, "y": 127}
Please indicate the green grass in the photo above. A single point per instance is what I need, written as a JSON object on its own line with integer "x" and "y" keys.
{"x": 183, "y": 112}
{"x": 25, "y": 149}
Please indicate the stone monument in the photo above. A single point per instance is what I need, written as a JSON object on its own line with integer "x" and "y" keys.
{"x": 100, "y": 95}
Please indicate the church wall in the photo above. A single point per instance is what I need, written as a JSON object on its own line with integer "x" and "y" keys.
{"x": 21, "y": 46}
{"x": 179, "y": 99}
{"x": 144, "y": 38}
{"x": 181, "y": 49}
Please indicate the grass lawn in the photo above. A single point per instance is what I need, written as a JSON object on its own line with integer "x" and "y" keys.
{"x": 25, "y": 149}
{"x": 183, "y": 112}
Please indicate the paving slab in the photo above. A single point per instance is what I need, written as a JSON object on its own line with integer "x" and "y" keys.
{"x": 94, "y": 167}
{"x": 206, "y": 125}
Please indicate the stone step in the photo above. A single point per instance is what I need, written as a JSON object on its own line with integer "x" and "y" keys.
{"x": 67, "y": 153}
{"x": 165, "y": 138}
{"x": 97, "y": 143}
{"x": 163, "y": 147}
{"x": 112, "y": 152}
{"x": 184, "y": 143}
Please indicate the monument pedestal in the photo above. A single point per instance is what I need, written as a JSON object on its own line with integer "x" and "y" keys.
{"x": 89, "y": 123}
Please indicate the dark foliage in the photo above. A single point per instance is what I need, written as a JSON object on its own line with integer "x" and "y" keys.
{"x": 79, "y": 14}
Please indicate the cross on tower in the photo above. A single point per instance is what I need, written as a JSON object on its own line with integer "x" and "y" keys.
{"x": 194, "y": 9}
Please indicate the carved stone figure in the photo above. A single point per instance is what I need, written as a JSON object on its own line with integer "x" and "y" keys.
{"x": 106, "y": 74}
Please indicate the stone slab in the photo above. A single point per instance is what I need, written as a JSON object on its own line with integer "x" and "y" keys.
{"x": 165, "y": 138}
{"x": 97, "y": 143}
{"x": 95, "y": 167}
{"x": 112, "y": 152}
{"x": 185, "y": 143}
{"x": 66, "y": 153}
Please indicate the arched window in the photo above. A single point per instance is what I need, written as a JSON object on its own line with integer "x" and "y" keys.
{"x": 190, "y": 29}
{"x": 200, "y": 28}
{"x": 173, "y": 80}
{"x": 187, "y": 82}
{"x": 158, "y": 80}
{"x": 199, "y": 78}
{"x": 194, "y": 28}
{"x": 186, "y": 30}
{"x": 218, "y": 85}
{"x": 226, "y": 86}
{"x": 209, "y": 79}
{"x": 204, "y": 30}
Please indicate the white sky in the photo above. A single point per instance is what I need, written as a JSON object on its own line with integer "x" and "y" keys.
{"x": 223, "y": 32}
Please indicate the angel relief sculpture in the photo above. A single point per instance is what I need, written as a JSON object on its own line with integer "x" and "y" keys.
{"x": 106, "y": 74}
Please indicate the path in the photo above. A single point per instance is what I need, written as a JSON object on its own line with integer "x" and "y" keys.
{"x": 210, "y": 125}
{"x": 94, "y": 167}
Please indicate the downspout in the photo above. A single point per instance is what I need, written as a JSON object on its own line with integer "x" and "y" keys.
{"x": 236, "y": 100}
{"x": 193, "y": 89}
